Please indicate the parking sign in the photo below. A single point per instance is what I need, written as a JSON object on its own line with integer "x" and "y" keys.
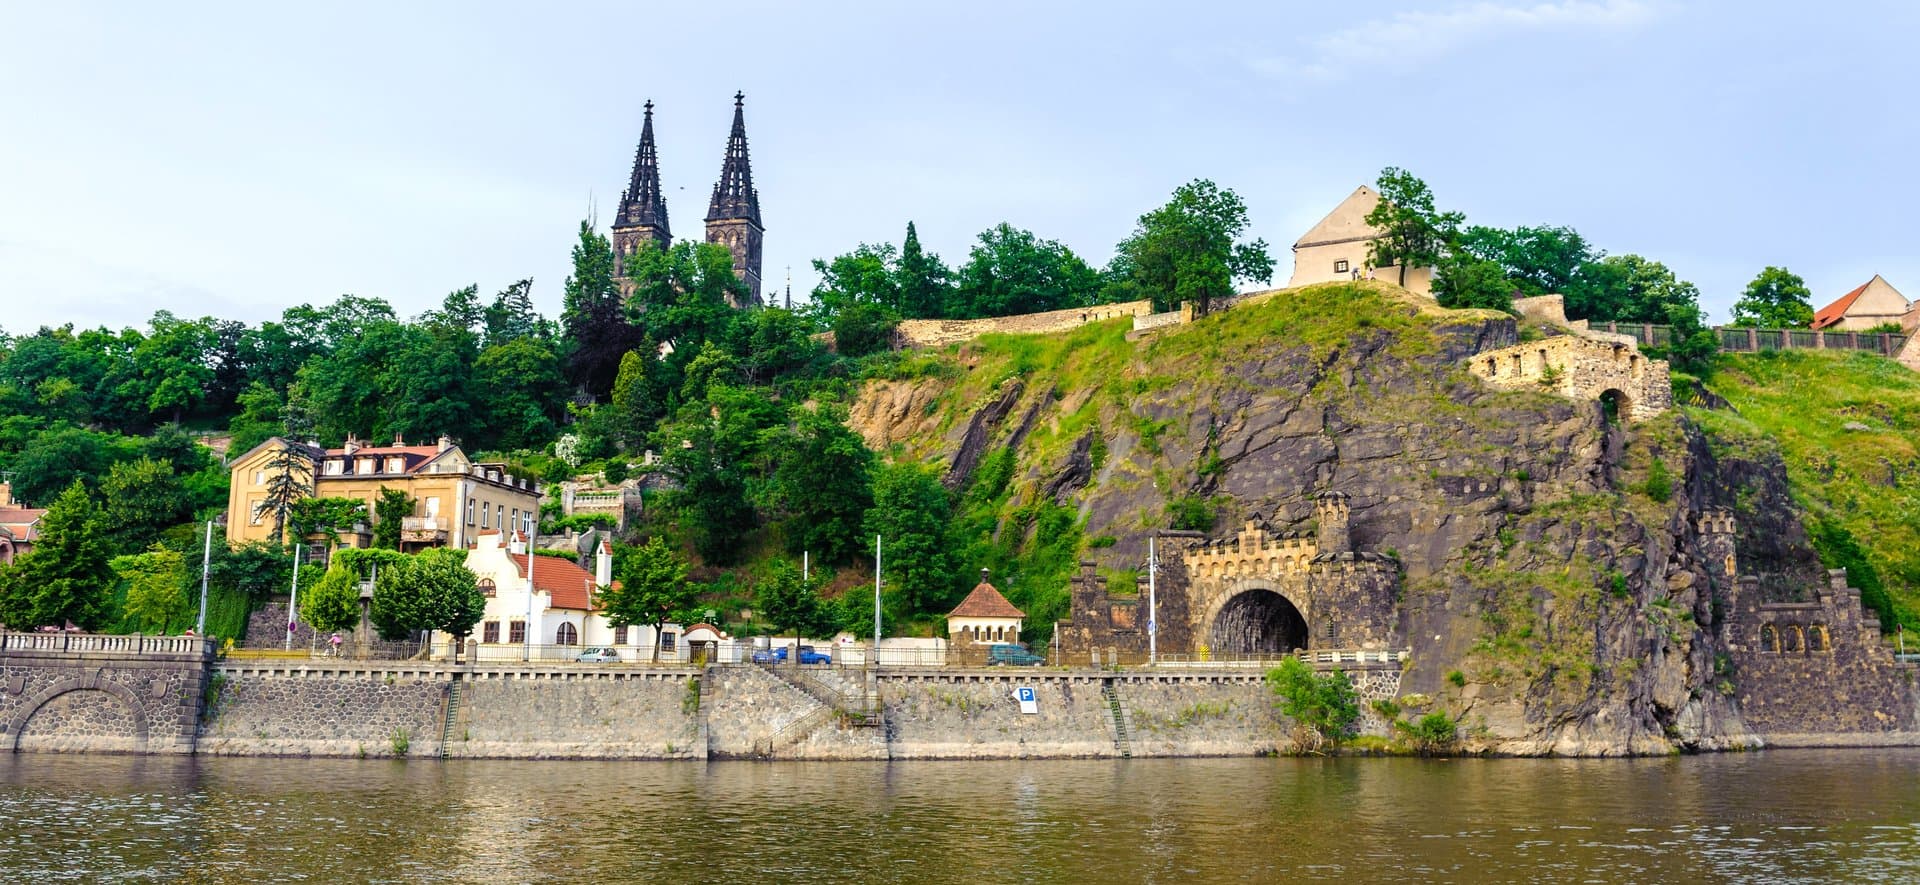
{"x": 1028, "y": 703}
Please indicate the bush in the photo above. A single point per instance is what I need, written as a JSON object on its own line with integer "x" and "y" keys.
{"x": 1323, "y": 708}
{"x": 1659, "y": 482}
{"x": 1430, "y": 734}
{"x": 1191, "y": 512}
{"x": 861, "y": 329}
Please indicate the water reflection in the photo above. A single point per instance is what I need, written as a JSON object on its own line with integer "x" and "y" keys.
{"x": 1786, "y": 816}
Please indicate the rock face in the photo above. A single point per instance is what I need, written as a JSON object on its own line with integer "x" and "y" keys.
{"x": 1554, "y": 594}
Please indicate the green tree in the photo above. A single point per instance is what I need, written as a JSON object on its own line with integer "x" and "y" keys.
{"x": 67, "y": 574}
{"x": 1537, "y": 260}
{"x": 289, "y": 470}
{"x": 1776, "y": 299}
{"x": 1323, "y": 708}
{"x": 389, "y": 509}
{"x": 924, "y": 283}
{"x": 785, "y": 599}
{"x": 156, "y": 589}
{"x": 1011, "y": 271}
{"x": 525, "y": 394}
{"x": 1463, "y": 281}
{"x": 867, "y": 275}
{"x": 713, "y": 451}
{"x": 1412, "y": 232}
{"x": 259, "y": 419}
{"x": 821, "y": 482}
{"x": 910, "y": 514}
{"x": 862, "y": 329}
{"x": 638, "y": 402}
{"x": 1186, "y": 250}
{"x": 333, "y": 604}
{"x": 174, "y": 364}
{"x": 55, "y": 459}
{"x": 433, "y": 590}
{"x": 652, "y": 589}
{"x": 138, "y": 500}
{"x": 511, "y": 316}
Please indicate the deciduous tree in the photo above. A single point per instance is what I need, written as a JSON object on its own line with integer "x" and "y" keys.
{"x": 1412, "y": 232}
{"x": 652, "y": 589}
{"x": 1188, "y": 249}
{"x": 1776, "y": 299}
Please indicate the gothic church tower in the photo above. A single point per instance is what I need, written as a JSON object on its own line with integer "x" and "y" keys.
{"x": 733, "y": 218}
{"x": 642, "y": 220}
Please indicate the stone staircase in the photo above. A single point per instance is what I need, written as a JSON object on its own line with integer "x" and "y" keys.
{"x": 830, "y": 686}
{"x": 1121, "y": 743}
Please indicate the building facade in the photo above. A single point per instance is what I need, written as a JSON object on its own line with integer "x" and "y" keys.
{"x": 454, "y": 497}
{"x": 733, "y": 214}
{"x": 1874, "y": 303}
{"x": 19, "y": 526}
{"x": 1337, "y": 249}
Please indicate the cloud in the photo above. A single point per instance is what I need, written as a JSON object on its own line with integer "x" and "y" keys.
{"x": 1410, "y": 39}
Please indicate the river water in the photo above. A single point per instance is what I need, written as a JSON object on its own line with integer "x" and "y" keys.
{"x": 1779, "y": 816}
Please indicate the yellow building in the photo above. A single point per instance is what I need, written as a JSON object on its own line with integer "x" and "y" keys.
{"x": 1337, "y": 249}
{"x": 453, "y": 496}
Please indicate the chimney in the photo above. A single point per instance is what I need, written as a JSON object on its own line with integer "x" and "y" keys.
{"x": 6, "y": 494}
{"x": 603, "y": 564}
{"x": 352, "y": 445}
{"x": 398, "y": 440}
{"x": 446, "y": 442}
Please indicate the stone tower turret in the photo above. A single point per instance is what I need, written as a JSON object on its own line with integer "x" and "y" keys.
{"x": 1333, "y": 510}
{"x": 642, "y": 219}
{"x": 1717, "y": 546}
{"x": 733, "y": 217}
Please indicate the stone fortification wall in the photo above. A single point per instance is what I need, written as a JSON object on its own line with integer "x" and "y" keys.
{"x": 578, "y": 713}
{"x": 335, "y": 709}
{"x": 1809, "y": 672}
{"x": 1581, "y": 367}
{"x": 974, "y": 714}
{"x": 100, "y": 694}
{"x": 937, "y": 333}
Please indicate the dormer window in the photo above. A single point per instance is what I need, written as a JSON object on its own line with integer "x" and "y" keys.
{"x": 396, "y": 465}
{"x": 336, "y": 466}
{"x": 365, "y": 467}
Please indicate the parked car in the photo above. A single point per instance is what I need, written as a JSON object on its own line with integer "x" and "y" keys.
{"x": 598, "y": 655}
{"x": 1016, "y": 655}
{"x": 779, "y": 656}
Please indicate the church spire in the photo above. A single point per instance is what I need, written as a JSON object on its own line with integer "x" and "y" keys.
{"x": 733, "y": 194}
{"x": 643, "y": 204}
{"x": 733, "y": 218}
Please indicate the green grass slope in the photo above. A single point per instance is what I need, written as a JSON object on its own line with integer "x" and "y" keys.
{"x": 1848, "y": 427}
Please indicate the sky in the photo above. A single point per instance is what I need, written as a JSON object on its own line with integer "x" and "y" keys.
{"x": 237, "y": 160}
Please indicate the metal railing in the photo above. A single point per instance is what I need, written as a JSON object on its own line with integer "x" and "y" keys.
{"x": 1745, "y": 340}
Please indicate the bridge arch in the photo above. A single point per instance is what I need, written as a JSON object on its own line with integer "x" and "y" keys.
{"x": 101, "y": 700}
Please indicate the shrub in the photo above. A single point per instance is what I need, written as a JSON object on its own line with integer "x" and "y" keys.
{"x": 1191, "y": 512}
{"x": 1659, "y": 482}
{"x": 1430, "y": 734}
{"x": 1323, "y": 708}
{"x": 1457, "y": 678}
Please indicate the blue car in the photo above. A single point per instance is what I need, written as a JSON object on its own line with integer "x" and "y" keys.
{"x": 779, "y": 656}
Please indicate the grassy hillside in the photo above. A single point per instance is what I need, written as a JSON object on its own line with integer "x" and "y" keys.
{"x": 1848, "y": 427}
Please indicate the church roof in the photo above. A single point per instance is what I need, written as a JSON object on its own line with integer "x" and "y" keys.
{"x": 985, "y": 602}
{"x": 1346, "y": 223}
{"x": 734, "y": 195}
{"x": 644, "y": 204}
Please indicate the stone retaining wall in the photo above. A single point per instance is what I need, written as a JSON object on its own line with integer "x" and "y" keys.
{"x": 100, "y": 694}
{"x": 575, "y": 714}
{"x": 297, "y": 709}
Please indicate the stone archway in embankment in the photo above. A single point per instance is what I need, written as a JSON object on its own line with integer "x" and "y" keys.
{"x": 1257, "y": 622}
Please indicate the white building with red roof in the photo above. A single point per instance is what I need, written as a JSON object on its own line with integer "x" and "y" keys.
{"x": 564, "y": 617}
{"x": 19, "y": 526}
{"x": 984, "y": 618}
{"x": 1873, "y": 303}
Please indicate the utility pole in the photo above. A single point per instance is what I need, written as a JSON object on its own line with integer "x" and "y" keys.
{"x": 526, "y": 635}
{"x": 876, "y": 595}
{"x": 206, "y": 562}
{"x": 293, "y": 600}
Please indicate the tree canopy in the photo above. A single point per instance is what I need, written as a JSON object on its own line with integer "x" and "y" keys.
{"x": 1191, "y": 249}
{"x": 1776, "y": 299}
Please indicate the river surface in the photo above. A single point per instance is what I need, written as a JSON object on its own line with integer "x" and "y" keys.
{"x": 1805, "y": 815}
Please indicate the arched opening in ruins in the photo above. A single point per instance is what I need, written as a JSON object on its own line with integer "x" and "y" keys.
{"x": 1258, "y": 622}
{"x": 1614, "y": 405}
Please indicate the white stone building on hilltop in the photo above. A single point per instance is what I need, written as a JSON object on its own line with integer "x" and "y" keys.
{"x": 1873, "y": 303}
{"x": 1336, "y": 249}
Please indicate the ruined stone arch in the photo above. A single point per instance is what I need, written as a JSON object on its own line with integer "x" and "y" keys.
{"x": 1818, "y": 639}
{"x": 1615, "y": 405}
{"x": 1769, "y": 639}
{"x": 17, "y": 726}
{"x": 1793, "y": 639}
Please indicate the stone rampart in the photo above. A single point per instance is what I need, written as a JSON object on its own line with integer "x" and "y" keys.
{"x": 1817, "y": 667}
{"x": 1581, "y": 367}
{"x": 937, "y": 333}
{"x": 114, "y": 694}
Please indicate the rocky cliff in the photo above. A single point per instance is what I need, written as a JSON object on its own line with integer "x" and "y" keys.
{"x": 1554, "y": 596}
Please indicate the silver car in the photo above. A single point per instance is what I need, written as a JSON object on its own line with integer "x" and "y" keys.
{"x": 598, "y": 655}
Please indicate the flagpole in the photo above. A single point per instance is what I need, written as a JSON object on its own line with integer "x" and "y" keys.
{"x": 206, "y": 562}
{"x": 876, "y": 596}
{"x": 526, "y": 636}
{"x": 293, "y": 600}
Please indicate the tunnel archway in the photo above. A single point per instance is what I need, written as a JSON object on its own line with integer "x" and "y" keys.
{"x": 1257, "y": 622}
{"x": 1615, "y": 406}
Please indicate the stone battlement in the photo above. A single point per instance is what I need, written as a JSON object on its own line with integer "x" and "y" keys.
{"x": 1253, "y": 551}
{"x": 938, "y": 333}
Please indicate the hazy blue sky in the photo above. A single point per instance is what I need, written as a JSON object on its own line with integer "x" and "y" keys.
{"x": 234, "y": 161}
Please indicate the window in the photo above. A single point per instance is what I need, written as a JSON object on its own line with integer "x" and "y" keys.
{"x": 259, "y": 477}
{"x": 516, "y": 517}
{"x": 365, "y": 467}
{"x": 566, "y": 635}
{"x": 500, "y": 518}
{"x": 1340, "y": 266}
{"x": 396, "y": 465}
{"x": 516, "y": 632}
{"x": 490, "y": 632}
{"x": 433, "y": 507}
{"x": 619, "y": 636}
{"x": 487, "y": 589}
{"x": 469, "y": 511}
{"x": 666, "y": 641}
{"x": 259, "y": 512}
{"x": 336, "y": 466}
{"x": 486, "y": 514}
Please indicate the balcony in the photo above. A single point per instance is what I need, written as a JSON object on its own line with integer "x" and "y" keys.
{"x": 423, "y": 529}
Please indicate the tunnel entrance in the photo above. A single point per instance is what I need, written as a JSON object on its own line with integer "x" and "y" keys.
{"x": 1614, "y": 405}
{"x": 1258, "y": 622}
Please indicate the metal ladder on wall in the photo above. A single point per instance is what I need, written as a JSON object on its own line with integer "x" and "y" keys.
{"x": 454, "y": 695}
{"x": 1120, "y": 741}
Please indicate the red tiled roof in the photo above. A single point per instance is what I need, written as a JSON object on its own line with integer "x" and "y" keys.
{"x": 23, "y": 518}
{"x": 566, "y": 582}
{"x": 985, "y": 602}
{"x": 1836, "y": 311}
